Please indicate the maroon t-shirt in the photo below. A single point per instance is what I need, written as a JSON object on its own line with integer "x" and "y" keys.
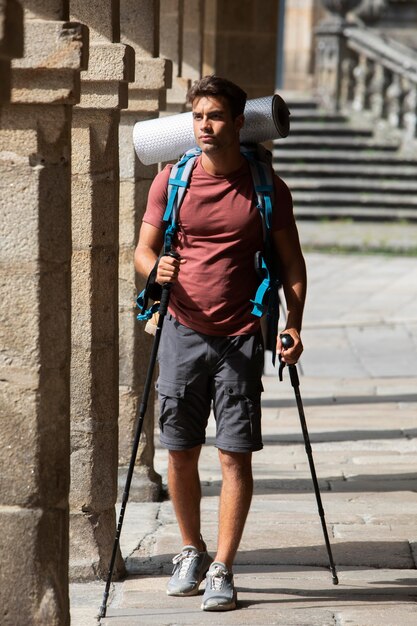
{"x": 219, "y": 232}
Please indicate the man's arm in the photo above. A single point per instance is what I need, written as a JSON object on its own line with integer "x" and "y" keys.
{"x": 147, "y": 252}
{"x": 292, "y": 271}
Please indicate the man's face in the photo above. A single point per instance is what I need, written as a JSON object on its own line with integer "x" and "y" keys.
{"x": 214, "y": 127}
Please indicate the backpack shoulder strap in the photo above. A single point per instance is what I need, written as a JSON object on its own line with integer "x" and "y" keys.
{"x": 178, "y": 182}
{"x": 259, "y": 159}
{"x": 266, "y": 299}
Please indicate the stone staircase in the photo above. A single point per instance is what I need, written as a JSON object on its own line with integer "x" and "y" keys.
{"x": 338, "y": 170}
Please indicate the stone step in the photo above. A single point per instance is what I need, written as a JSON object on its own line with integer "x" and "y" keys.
{"x": 308, "y": 142}
{"x": 356, "y": 212}
{"x": 328, "y": 129}
{"x": 389, "y": 172}
{"x": 316, "y": 115}
{"x": 347, "y": 183}
{"x": 354, "y": 198}
{"x": 369, "y": 156}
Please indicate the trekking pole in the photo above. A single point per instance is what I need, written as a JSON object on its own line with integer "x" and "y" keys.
{"x": 287, "y": 341}
{"x": 163, "y": 307}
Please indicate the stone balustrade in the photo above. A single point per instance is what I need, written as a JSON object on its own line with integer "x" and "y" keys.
{"x": 370, "y": 75}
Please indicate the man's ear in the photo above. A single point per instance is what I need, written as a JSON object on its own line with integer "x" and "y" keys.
{"x": 239, "y": 122}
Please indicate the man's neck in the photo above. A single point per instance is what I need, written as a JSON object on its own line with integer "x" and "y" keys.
{"x": 220, "y": 163}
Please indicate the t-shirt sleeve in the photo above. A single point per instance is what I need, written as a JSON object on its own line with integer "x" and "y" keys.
{"x": 157, "y": 198}
{"x": 283, "y": 216}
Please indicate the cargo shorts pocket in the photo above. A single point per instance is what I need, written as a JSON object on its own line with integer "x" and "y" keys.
{"x": 171, "y": 397}
{"x": 239, "y": 420}
{"x": 181, "y": 426}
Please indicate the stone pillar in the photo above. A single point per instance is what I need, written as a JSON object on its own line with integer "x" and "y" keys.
{"x": 181, "y": 40}
{"x": 95, "y": 355}
{"x": 300, "y": 19}
{"x": 11, "y": 42}
{"x": 35, "y": 164}
{"x": 242, "y": 48}
{"x": 139, "y": 28}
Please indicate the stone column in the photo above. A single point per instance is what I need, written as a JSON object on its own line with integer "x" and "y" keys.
{"x": 181, "y": 40}
{"x": 139, "y": 28}
{"x": 11, "y": 42}
{"x": 35, "y": 169}
{"x": 298, "y": 49}
{"x": 95, "y": 355}
{"x": 242, "y": 48}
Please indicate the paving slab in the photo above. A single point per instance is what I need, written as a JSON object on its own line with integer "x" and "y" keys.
{"x": 278, "y": 595}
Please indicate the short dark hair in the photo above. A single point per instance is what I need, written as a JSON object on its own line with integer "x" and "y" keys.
{"x": 216, "y": 87}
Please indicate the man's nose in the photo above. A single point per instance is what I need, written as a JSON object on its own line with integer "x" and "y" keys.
{"x": 205, "y": 123}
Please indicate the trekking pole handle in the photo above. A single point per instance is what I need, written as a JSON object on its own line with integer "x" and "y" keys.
{"x": 166, "y": 289}
{"x": 287, "y": 342}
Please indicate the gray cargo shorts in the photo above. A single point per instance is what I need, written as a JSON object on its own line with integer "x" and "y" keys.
{"x": 197, "y": 371}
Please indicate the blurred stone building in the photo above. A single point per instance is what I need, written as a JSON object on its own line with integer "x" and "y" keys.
{"x": 75, "y": 75}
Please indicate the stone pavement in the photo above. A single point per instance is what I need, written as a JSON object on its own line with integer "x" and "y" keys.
{"x": 358, "y": 378}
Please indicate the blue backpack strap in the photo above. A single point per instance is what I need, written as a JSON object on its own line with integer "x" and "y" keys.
{"x": 261, "y": 169}
{"x": 266, "y": 299}
{"x": 177, "y": 186}
{"x": 262, "y": 175}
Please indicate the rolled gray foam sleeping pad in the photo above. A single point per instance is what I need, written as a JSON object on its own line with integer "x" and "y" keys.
{"x": 167, "y": 138}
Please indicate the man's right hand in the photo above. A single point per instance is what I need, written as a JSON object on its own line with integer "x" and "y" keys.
{"x": 168, "y": 269}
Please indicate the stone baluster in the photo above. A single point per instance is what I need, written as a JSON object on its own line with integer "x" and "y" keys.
{"x": 394, "y": 101}
{"x": 362, "y": 73}
{"x": 95, "y": 352}
{"x": 347, "y": 87}
{"x": 410, "y": 115}
{"x": 139, "y": 20}
{"x": 331, "y": 51}
{"x": 35, "y": 194}
{"x": 377, "y": 89}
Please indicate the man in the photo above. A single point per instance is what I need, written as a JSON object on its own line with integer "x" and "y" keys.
{"x": 211, "y": 349}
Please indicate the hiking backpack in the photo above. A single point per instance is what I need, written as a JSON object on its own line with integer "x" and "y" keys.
{"x": 266, "y": 298}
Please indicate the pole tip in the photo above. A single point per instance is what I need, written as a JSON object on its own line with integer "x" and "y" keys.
{"x": 335, "y": 579}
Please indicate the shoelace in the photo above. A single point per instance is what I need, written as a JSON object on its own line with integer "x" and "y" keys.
{"x": 217, "y": 578}
{"x": 184, "y": 560}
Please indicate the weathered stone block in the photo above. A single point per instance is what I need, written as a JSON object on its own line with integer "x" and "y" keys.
{"x": 91, "y": 542}
{"x": 95, "y": 212}
{"x": 102, "y": 18}
{"x": 143, "y": 101}
{"x": 95, "y": 137}
{"x": 152, "y": 73}
{"x": 93, "y": 444}
{"x": 33, "y": 545}
{"x": 49, "y": 71}
{"x": 113, "y": 62}
{"x": 139, "y": 20}
{"x": 11, "y": 29}
{"x": 133, "y": 198}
